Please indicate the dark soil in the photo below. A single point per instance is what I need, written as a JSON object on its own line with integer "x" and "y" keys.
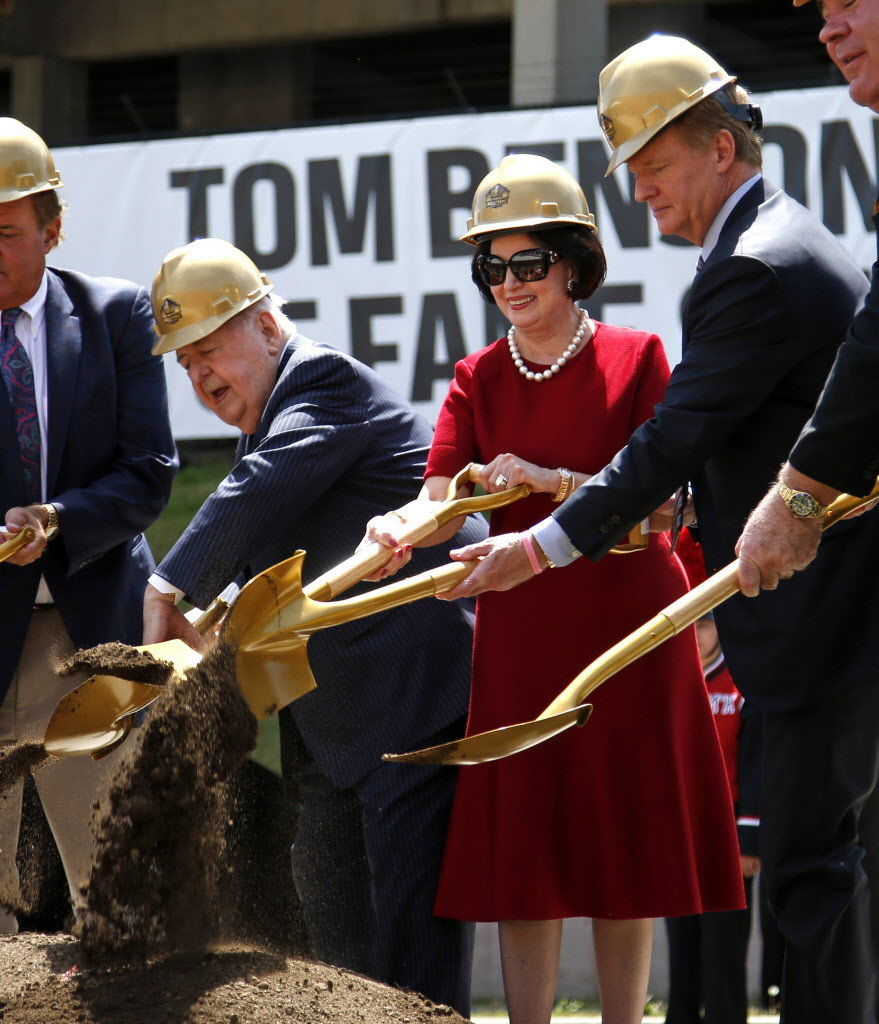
{"x": 44, "y": 980}
{"x": 19, "y": 759}
{"x": 115, "y": 659}
{"x": 171, "y": 889}
{"x": 157, "y": 882}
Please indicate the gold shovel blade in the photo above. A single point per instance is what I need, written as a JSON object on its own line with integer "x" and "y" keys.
{"x": 97, "y": 714}
{"x": 497, "y": 743}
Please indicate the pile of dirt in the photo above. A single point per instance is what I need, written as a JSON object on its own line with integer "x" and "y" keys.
{"x": 159, "y": 876}
{"x": 44, "y": 980}
{"x": 170, "y": 894}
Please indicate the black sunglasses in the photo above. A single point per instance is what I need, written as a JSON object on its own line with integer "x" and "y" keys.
{"x": 526, "y": 265}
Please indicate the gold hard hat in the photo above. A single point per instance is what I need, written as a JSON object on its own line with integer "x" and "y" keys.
{"x": 199, "y": 287}
{"x": 526, "y": 191}
{"x": 647, "y": 86}
{"x": 26, "y": 165}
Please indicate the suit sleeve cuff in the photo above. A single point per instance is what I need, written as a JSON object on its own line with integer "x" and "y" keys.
{"x": 554, "y": 543}
{"x": 164, "y": 587}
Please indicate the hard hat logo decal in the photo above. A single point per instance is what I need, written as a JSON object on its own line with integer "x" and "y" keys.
{"x": 171, "y": 312}
{"x": 497, "y": 197}
{"x": 608, "y": 128}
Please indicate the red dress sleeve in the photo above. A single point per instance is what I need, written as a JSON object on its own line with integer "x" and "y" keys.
{"x": 653, "y": 375}
{"x": 454, "y": 440}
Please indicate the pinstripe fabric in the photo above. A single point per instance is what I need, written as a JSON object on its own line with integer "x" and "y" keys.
{"x": 335, "y": 447}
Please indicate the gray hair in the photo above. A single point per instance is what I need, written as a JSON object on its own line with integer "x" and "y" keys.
{"x": 271, "y": 304}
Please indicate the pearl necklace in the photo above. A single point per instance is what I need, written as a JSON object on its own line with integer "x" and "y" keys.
{"x": 559, "y": 363}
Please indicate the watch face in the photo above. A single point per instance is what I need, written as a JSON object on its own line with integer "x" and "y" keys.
{"x": 803, "y": 505}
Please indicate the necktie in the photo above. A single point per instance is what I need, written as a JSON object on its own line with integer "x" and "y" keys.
{"x": 18, "y": 376}
{"x": 700, "y": 263}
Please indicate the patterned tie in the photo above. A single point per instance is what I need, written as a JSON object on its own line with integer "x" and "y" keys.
{"x": 18, "y": 376}
{"x": 700, "y": 263}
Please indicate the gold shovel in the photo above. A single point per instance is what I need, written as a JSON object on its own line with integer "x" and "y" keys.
{"x": 95, "y": 716}
{"x": 568, "y": 708}
{"x": 269, "y": 627}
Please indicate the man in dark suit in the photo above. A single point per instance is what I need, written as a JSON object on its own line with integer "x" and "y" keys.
{"x": 326, "y": 445}
{"x": 87, "y": 460}
{"x": 838, "y": 450}
{"x": 767, "y": 310}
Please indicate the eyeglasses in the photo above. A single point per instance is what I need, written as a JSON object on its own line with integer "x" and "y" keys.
{"x": 526, "y": 265}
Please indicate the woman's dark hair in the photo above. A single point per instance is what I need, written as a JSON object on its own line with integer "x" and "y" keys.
{"x": 579, "y": 246}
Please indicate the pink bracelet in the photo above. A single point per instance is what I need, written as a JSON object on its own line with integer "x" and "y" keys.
{"x": 528, "y": 545}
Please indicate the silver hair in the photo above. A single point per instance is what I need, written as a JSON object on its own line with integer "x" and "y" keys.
{"x": 272, "y": 304}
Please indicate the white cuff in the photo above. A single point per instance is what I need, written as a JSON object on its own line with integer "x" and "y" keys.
{"x": 164, "y": 587}
{"x": 554, "y": 543}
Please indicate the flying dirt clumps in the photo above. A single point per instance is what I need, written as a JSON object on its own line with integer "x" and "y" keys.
{"x": 156, "y": 882}
{"x": 16, "y": 761}
{"x": 115, "y": 659}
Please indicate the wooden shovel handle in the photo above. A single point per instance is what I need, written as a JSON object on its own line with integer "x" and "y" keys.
{"x": 17, "y": 540}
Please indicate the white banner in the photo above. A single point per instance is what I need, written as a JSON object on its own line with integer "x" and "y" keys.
{"x": 356, "y": 224}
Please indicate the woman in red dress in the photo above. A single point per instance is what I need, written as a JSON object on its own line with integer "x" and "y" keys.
{"x": 618, "y": 821}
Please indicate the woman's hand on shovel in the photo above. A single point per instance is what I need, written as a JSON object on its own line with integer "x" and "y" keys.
{"x": 163, "y": 620}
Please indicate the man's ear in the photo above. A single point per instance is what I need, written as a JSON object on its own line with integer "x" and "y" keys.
{"x": 271, "y": 332}
{"x": 724, "y": 151}
{"x": 51, "y": 234}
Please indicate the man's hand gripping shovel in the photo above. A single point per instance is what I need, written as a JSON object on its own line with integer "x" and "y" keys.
{"x": 268, "y": 627}
{"x": 569, "y": 708}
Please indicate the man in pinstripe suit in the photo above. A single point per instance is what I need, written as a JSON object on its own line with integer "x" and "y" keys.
{"x": 326, "y": 445}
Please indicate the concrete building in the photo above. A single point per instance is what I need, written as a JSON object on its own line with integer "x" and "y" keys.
{"x": 99, "y": 69}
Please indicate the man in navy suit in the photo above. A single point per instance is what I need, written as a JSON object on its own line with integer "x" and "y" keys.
{"x": 838, "y": 450}
{"x": 325, "y": 446}
{"x": 87, "y": 460}
{"x": 768, "y": 308}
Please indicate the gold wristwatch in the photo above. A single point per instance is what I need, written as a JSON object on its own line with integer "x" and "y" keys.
{"x": 566, "y": 485}
{"x": 801, "y": 504}
{"x": 52, "y": 526}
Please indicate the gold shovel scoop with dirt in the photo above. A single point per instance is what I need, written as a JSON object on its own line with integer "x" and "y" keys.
{"x": 568, "y": 708}
{"x": 268, "y": 626}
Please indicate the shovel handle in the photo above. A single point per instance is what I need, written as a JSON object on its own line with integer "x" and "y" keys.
{"x": 420, "y": 522}
{"x": 17, "y": 540}
{"x": 677, "y": 616}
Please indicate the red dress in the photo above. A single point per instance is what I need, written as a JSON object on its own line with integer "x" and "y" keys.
{"x": 620, "y": 818}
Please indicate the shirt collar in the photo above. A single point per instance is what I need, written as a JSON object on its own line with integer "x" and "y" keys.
{"x": 723, "y": 213}
{"x": 35, "y": 307}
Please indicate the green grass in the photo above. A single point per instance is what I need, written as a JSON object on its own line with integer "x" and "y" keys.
{"x": 199, "y": 475}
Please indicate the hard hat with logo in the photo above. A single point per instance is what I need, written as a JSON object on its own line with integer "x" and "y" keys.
{"x": 523, "y": 192}
{"x": 199, "y": 287}
{"x": 653, "y": 82}
{"x": 26, "y": 165}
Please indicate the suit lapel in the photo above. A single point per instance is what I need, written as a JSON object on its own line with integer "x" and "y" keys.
{"x": 729, "y": 233}
{"x": 63, "y": 350}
